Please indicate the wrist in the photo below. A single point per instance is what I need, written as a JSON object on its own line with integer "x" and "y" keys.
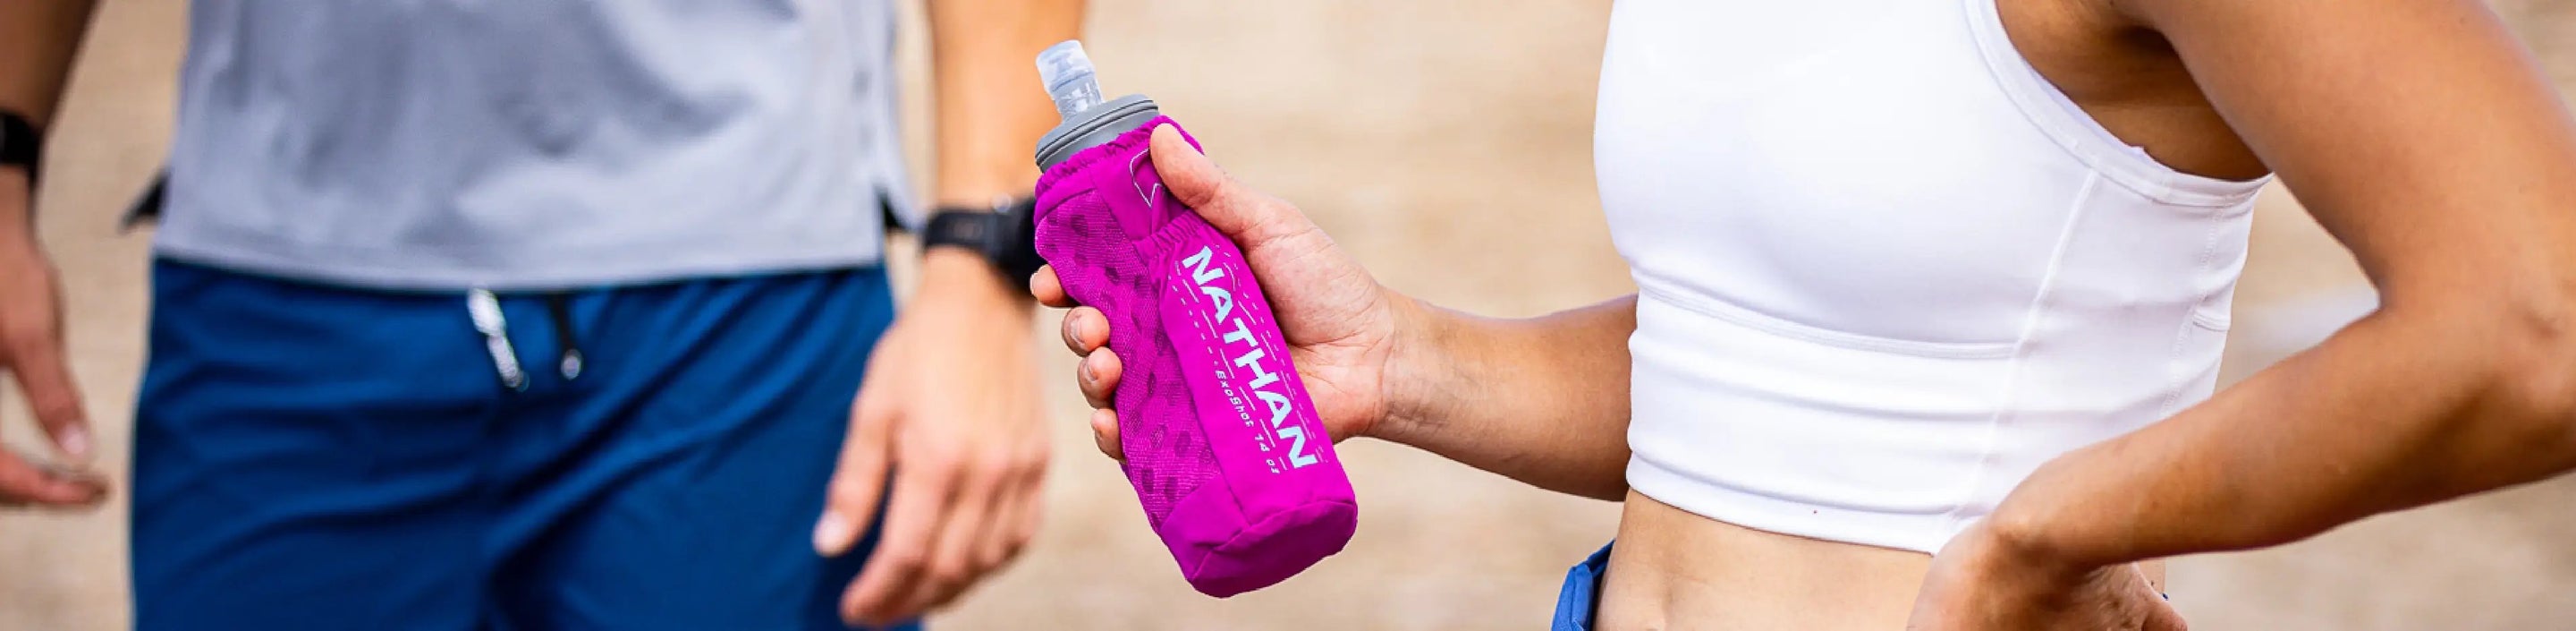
{"x": 1417, "y": 365}
{"x": 2052, "y": 519}
{"x": 22, "y": 145}
{"x": 956, "y": 273}
{"x": 17, "y": 206}
{"x": 2025, "y": 540}
{"x": 1001, "y": 232}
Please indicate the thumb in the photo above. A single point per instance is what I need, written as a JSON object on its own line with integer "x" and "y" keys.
{"x": 1242, "y": 214}
{"x": 22, "y": 482}
{"x": 850, "y": 502}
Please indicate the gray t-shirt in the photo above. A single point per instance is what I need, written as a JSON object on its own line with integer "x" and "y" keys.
{"x": 533, "y": 144}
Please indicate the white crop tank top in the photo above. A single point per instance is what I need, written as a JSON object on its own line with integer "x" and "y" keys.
{"x": 1885, "y": 268}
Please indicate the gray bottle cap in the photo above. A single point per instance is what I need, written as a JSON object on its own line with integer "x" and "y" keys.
{"x": 1094, "y": 127}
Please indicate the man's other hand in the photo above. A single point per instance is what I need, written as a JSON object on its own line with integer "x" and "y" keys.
{"x": 950, "y": 402}
{"x": 31, "y": 352}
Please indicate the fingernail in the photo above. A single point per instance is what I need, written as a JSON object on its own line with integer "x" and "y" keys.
{"x": 1087, "y": 373}
{"x": 75, "y": 443}
{"x": 831, "y": 532}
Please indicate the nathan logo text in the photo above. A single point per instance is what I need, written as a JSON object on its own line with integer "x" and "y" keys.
{"x": 1265, "y": 385}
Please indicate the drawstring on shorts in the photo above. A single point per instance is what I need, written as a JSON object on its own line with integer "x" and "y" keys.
{"x": 485, "y": 309}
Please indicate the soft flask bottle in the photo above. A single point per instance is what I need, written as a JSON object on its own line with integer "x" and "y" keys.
{"x": 1233, "y": 467}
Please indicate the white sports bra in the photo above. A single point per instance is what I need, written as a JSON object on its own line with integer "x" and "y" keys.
{"x": 1886, "y": 269}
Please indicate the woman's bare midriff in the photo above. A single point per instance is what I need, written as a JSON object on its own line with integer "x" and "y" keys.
{"x": 1675, "y": 570}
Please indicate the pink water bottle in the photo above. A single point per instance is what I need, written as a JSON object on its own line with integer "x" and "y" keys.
{"x": 1225, "y": 451}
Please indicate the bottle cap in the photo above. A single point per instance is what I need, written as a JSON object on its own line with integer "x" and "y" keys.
{"x": 1068, "y": 76}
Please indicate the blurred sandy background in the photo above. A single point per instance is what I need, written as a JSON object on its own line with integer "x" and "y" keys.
{"x": 1447, "y": 143}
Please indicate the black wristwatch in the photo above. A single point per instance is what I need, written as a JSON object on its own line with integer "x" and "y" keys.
{"x": 1005, "y": 235}
{"x": 21, "y": 145}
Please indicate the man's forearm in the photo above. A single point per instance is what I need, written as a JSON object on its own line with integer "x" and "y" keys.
{"x": 1541, "y": 400}
{"x": 991, "y": 108}
{"x": 2393, "y": 412}
{"x": 38, "y": 39}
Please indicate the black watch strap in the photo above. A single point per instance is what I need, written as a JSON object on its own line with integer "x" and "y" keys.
{"x": 1005, "y": 235}
{"x": 21, "y": 144}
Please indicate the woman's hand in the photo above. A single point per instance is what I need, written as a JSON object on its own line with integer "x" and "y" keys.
{"x": 1341, "y": 326}
{"x": 1984, "y": 580}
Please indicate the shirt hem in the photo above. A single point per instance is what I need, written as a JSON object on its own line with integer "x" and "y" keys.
{"x": 270, "y": 257}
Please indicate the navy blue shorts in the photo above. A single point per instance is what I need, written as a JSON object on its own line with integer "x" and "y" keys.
{"x": 313, "y": 457}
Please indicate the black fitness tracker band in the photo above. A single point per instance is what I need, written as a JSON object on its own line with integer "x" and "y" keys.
{"x": 1005, "y": 235}
{"x": 21, "y": 144}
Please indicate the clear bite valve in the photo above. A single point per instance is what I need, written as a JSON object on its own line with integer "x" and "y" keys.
{"x": 1067, "y": 73}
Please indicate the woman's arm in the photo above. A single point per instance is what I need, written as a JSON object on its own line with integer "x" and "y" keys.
{"x": 2425, "y": 139}
{"x": 1542, "y": 400}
